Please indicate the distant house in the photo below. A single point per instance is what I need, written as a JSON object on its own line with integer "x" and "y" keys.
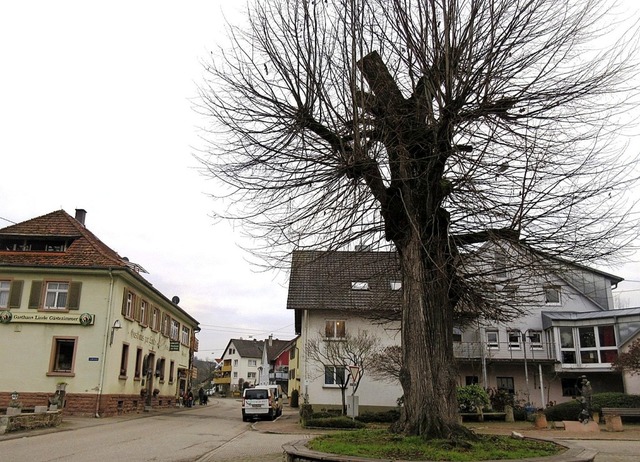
{"x": 569, "y": 329}
{"x": 242, "y": 363}
{"x": 81, "y": 327}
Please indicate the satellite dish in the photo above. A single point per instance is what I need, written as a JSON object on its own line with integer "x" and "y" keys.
{"x": 175, "y": 300}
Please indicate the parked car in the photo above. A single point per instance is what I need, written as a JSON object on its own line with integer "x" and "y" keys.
{"x": 261, "y": 401}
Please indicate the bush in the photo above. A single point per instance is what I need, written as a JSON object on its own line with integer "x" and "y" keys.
{"x": 295, "y": 398}
{"x": 305, "y": 412}
{"x": 471, "y": 398}
{"x": 389, "y": 416}
{"x": 334, "y": 422}
{"x": 571, "y": 409}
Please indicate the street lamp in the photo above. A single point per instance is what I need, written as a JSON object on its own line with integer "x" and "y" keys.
{"x": 116, "y": 325}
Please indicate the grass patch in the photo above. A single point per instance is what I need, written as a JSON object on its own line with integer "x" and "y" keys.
{"x": 381, "y": 444}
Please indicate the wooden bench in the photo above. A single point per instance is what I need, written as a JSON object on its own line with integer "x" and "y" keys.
{"x": 621, "y": 411}
{"x": 481, "y": 415}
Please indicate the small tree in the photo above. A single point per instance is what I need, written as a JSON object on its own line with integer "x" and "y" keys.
{"x": 336, "y": 356}
{"x": 629, "y": 361}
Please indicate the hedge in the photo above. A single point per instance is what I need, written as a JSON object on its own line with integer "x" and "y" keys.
{"x": 571, "y": 409}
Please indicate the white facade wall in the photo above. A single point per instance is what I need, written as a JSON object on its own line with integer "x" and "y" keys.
{"x": 371, "y": 393}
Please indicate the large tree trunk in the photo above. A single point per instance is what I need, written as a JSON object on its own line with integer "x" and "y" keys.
{"x": 428, "y": 374}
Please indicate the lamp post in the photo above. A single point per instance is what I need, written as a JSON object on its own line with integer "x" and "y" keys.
{"x": 116, "y": 325}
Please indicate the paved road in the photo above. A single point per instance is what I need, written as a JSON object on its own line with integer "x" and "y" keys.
{"x": 217, "y": 433}
{"x": 212, "y": 433}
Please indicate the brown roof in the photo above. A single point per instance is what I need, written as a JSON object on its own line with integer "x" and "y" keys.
{"x": 323, "y": 281}
{"x": 86, "y": 250}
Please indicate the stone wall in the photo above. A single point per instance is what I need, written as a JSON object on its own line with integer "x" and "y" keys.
{"x": 29, "y": 421}
{"x": 84, "y": 404}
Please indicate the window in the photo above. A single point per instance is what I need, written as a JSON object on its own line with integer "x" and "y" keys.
{"x": 56, "y": 296}
{"x": 124, "y": 360}
{"x": 129, "y": 304}
{"x": 155, "y": 319}
{"x": 292, "y": 374}
{"x": 334, "y": 375}
{"x": 235, "y": 363}
{"x": 172, "y": 366}
{"x": 334, "y": 329}
{"x": 4, "y": 294}
{"x": 253, "y": 363}
{"x": 137, "y": 372}
{"x": 185, "y": 336}
{"x": 552, "y": 295}
{"x": 395, "y": 285}
{"x": 232, "y": 351}
{"x": 588, "y": 345}
{"x": 535, "y": 338}
{"x": 175, "y": 330}
{"x": 492, "y": 339}
{"x": 506, "y": 384}
{"x": 235, "y": 375}
{"x": 359, "y": 285}
{"x": 160, "y": 368}
{"x": 457, "y": 335}
{"x": 471, "y": 380}
{"x": 251, "y": 375}
{"x": 166, "y": 324}
{"x": 292, "y": 353}
{"x": 514, "y": 339}
{"x": 143, "y": 313}
{"x": 63, "y": 356}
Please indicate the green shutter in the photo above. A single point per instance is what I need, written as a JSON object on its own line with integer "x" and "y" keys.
{"x": 73, "y": 302}
{"x": 36, "y": 295}
{"x": 15, "y": 294}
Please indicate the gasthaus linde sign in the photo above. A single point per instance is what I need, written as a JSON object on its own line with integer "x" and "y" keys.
{"x": 84, "y": 319}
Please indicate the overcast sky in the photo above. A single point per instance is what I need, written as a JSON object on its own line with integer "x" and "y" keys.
{"x": 95, "y": 113}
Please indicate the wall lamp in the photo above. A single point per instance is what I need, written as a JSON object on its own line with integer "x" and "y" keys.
{"x": 116, "y": 325}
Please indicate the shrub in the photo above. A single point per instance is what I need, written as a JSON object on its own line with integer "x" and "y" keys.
{"x": 471, "y": 398}
{"x": 305, "y": 412}
{"x": 334, "y": 422}
{"x": 499, "y": 398}
{"x": 571, "y": 409}
{"x": 389, "y": 416}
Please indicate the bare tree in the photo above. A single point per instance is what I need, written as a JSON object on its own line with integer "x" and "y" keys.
{"x": 386, "y": 365}
{"x": 432, "y": 127}
{"x": 336, "y": 358}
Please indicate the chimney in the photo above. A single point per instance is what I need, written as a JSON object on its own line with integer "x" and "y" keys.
{"x": 270, "y": 340}
{"x": 81, "y": 215}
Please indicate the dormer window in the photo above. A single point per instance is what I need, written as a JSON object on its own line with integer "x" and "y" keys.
{"x": 34, "y": 245}
{"x": 358, "y": 285}
{"x": 395, "y": 285}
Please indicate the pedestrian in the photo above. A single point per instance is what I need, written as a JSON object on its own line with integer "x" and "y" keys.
{"x": 190, "y": 398}
{"x": 201, "y": 396}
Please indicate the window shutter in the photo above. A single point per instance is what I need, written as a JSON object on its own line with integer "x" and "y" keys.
{"x": 15, "y": 294}
{"x": 74, "y": 295}
{"x": 36, "y": 295}
{"x": 124, "y": 301}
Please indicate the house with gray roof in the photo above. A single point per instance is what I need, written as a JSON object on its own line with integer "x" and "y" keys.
{"x": 567, "y": 329}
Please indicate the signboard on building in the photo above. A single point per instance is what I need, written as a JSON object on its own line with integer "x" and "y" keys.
{"x": 40, "y": 317}
{"x": 174, "y": 345}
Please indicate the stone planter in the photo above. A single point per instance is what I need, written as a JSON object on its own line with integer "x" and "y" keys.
{"x": 613, "y": 423}
{"x": 540, "y": 420}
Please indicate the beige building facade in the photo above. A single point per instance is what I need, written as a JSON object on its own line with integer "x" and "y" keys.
{"x": 81, "y": 328}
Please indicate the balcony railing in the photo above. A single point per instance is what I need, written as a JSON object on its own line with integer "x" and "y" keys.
{"x": 504, "y": 350}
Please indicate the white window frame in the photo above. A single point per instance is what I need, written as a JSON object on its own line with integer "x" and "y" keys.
{"x": 252, "y": 363}
{"x": 332, "y": 329}
{"x": 549, "y": 290}
{"x": 491, "y": 343}
{"x": 5, "y": 289}
{"x": 334, "y": 376}
{"x": 185, "y": 335}
{"x": 56, "y": 295}
{"x": 175, "y": 329}
{"x": 514, "y": 338}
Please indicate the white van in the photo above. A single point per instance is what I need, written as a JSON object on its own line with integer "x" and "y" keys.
{"x": 261, "y": 401}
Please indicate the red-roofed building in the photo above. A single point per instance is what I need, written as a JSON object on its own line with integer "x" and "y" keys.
{"x": 80, "y": 326}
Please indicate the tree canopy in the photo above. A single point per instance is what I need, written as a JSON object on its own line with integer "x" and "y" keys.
{"x": 431, "y": 127}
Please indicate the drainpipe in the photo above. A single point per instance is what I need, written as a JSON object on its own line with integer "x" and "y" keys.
{"x": 104, "y": 346}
